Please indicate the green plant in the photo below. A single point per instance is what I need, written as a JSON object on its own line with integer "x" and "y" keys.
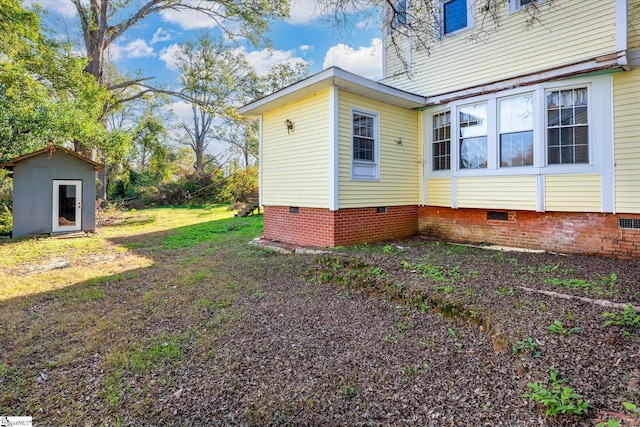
{"x": 561, "y": 399}
{"x": 631, "y": 407}
{"x": 446, "y": 289}
{"x": 557, "y": 328}
{"x": 529, "y": 346}
{"x": 6, "y": 221}
{"x": 609, "y": 423}
{"x": 348, "y": 391}
{"x": 506, "y": 291}
{"x": 628, "y": 319}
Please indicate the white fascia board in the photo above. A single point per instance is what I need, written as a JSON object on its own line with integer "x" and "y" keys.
{"x": 333, "y": 76}
{"x": 605, "y": 62}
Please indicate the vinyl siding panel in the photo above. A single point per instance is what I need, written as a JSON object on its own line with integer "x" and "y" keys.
{"x": 439, "y": 192}
{"x": 295, "y": 166}
{"x": 399, "y": 163}
{"x": 626, "y": 89}
{"x": 633, "y": 25}
{"x": 497, "y": 192}
{"x": 568, "y": 33}
{"x": 573, "y": 193}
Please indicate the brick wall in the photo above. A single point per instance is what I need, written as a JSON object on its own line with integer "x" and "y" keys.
{"x": 568, "y": 232}
{"x": 325, "y": 228}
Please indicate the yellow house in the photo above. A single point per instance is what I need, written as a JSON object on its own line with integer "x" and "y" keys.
{"x": 529, "y": 137}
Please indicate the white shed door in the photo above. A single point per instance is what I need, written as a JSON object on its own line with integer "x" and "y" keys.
{"x": 67, "y": 205}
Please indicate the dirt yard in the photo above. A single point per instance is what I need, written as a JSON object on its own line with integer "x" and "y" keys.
{"x": 170, "y": 318}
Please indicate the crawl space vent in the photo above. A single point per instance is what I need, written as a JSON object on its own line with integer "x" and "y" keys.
{"x": 633, "y": 223}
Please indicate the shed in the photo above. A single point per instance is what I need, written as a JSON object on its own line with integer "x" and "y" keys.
{"x": 54, "y": 191}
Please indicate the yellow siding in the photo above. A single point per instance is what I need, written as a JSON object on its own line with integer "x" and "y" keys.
{"x": 295, "y": 166}
{"x": 570, "y": 31}
{"x": 439, "y": 192}
{"x": 634, "y": 25}
{"x": 626, "y": 89}
{"x": 573, "y": 193}
{"x": 399, "y": 163}
{"x": 498, "y": 192}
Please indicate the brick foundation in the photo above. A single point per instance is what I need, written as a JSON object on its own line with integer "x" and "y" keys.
{"x": 325, "y": 228}
{"x": 568, "y": 232}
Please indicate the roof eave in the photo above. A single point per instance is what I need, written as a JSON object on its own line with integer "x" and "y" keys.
{"x": 333, "y": 76}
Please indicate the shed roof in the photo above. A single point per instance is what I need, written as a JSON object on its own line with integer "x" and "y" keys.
{"x": 50, "y": 149}
{"x": 334, "y": 76}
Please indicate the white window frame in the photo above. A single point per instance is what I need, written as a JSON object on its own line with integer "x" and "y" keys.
{"x": 600, "y": 97}
{"x": 471, "y": 13}
{"x": 365, "y": 170}
{"x": 515, "y": 6}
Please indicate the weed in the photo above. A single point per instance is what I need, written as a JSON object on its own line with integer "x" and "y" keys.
{"x": 605, "y": 286}
{"x": 348, "y": 391}
{"x": 159, "y": 350}
{"x": 529, "y": 346}
{"x": 260, "y": 295}
{"x": 628, "y": 320}
{"x": 499, "y": 257}
{"x": 631, "y": 407}
{"x": 453, "y": 333}
{"x": 560, "y": 399}
{"x": 410, "y": 371}
{"x": 557, "y": 328}
{"x": 446, "y": 289}
{"x": 378, "y": 272}
{"x": 609, "y": 423}
{"x": 505, "y": 291}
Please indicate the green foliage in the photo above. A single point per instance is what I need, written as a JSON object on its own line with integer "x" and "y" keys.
{"x": 169, "y": 349}
{"x": 609, "y": 423}
{"x": 628, "y": 320}
{"x": 239, "y": 186}
{"x": 529, "y": 346}
{"x": 557, "y": 328}
{"x": 560, "y": 399}
{"x": 46, "y": 96}
{"x": 6, "y": 221}
{"x": 606, "y": 285}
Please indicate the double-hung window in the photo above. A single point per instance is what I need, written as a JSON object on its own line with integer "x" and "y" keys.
{"x": 567, "y": 126}
{"x": 518, "y": 5}
{"x": 441, "y": 145}
{"x": 472, "y": 122}
{"x": 365, "y": 145}
{"x": 457, "y": 15}
{"x": 516, "y": 130}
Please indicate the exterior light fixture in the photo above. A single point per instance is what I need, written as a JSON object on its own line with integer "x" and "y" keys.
{"x": 289, "y": 125}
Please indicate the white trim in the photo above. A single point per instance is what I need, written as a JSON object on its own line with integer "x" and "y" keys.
{"x": 634, "y": 58}
{"x": 471, "y": 18}
{"x": 608, "y": 168}
{"x": 55, "y": 208}
{"x": 600, "y": 122}
{"x": 454, "y": 192}
{"x": 333, "y": 76}
{"x": 540, "y": 193}
{"x": 373, "y": 167}
{"x": 427, "y": 133}
{"x": 260, "y": 197}
{"x": 515, "y": 6}
{"x": 621, "y": 32}
{"x": 531, "y": 79}
{"x": 333, "y": 149}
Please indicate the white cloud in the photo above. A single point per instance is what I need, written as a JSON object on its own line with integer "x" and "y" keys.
{"x": 305, "y": 48}
{"x": 137, "y": 48}
{"x": 189, "y": 19}
{"x": 263, "y": 60}
{"x": 168, "y": 55}
{"x": 61, "y": 7}
{"x": 365, "y": 61}
{"x": 304, "y": 11}
{"x": 162, "y": 35}
{"x": 182, "y": 111}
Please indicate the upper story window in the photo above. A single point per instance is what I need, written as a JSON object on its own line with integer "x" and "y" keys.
{"x": 516, "y": 130}
{"x": 365, "y": 145}
{"x": 401, "y": 12}
{"x": 518, "y": 5}
{"x": 457, "y": 15}
{"x": 441, "y": 145}
{"x": 567, "y": 126}
{"x": 472, "y": 122}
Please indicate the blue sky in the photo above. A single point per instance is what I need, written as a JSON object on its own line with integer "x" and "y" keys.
{"x": 305, "y": 37}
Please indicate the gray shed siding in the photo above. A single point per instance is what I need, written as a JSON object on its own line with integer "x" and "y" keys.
{"x": 33, "y": 191}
